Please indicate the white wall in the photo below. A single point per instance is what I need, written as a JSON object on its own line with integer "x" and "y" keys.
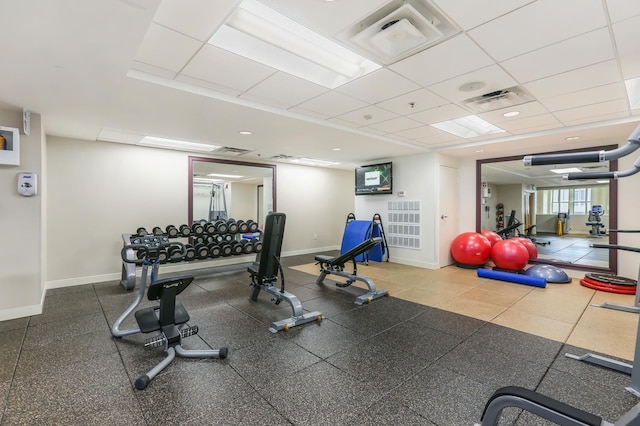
{"x": 100, "y": 190}
{"x": 22, "y": 258}
{"x": 243, "y": 201}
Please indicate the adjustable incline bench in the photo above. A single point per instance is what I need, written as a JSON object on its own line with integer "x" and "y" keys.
{"x": 335, "y": 265}
{"x": 264, "y": 274}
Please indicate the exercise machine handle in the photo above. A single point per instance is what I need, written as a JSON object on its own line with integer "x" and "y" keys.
{"x": 633, "y": 143}
{"x": 605, "y": 175}
{"x": 616, "y": 247}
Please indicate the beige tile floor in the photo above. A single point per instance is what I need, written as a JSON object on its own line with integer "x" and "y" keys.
{"x": 562, "y": 312}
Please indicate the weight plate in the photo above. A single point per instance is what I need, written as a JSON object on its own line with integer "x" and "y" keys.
{"x": 611, "y": 279}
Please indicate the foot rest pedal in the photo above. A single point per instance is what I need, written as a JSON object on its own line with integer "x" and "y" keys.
{"x": 155, "y": 342}
{"x": 189, "y": 331}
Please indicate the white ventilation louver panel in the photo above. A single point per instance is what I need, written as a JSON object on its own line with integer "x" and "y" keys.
{"x": 498, "y": 99}
{"x": 399, "y": 30}
{"x": 231, "y": 151}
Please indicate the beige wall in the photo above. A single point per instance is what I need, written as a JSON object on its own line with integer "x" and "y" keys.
{"x": 22, "y": 257}
{"x": 100, "y": 190}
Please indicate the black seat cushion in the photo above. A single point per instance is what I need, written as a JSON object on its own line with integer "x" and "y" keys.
{"x": 148, "y": 321}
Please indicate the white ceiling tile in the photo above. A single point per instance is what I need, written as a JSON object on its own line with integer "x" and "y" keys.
{"x": 593, "y": 95}
{"x": 567, "y": 55}
{"x": 374, "y": 113}
{"x": 283, "y": 90}
{"x": 453, "y": 57}
{"x": 442, "y": 113}
{"x": 419, "y": 132}
{"x": 195, "y": 18}
{"x": 309, "y": 113}
{"x": 494, "y": 77}
{"x": 622, "y": 9}
{"x": 332, "y": 104}
{"x": 520, "y": 31}
{"x": 627, "y": 34}
{"x": 528, "y": 122}
{"x": 602, "y": 118}
{"x": 595, "y": 110}
{"x": 537, "y": 128}
{"x": 166, "y": 48}
{"x": 421, "y": 99}
{"x": 150, "y": 69}
{"x": 469, "y": 14}
{"x": 378, "y": 86}
{"x": 526, "y": 110}
{"x": 395, "y": 125}
{"x": 571, "y": 81}
{"x": 238, "y": 73}
{"x": 440, "y": 138}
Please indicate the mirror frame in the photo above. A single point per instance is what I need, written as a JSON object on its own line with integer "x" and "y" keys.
{"x": 613, "y": 207}
{"x": 192, "y": 160}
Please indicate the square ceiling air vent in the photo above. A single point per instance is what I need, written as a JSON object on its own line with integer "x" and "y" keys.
{"x": 231, "y": 151}
{"x": 498, "y": 99}
{"x": 399, "y": 30}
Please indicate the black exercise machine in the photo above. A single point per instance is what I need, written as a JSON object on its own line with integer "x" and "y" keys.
{"x": 594, "y": 220}
{"x": 264, "y": 275}
{"x": 513, "y": 225}
{"x": 165, "y": 317}
{"x": 336, "y": 265}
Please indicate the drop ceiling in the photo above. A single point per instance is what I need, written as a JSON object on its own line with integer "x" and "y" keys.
{"x": 145, "y": 68}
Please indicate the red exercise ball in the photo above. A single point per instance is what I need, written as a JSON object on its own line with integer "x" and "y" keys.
{"x": 470, "y": 248}
{"x": 529, "y": 245}
{"x": 493, "y": 237}
{"x": 510, "y": 255}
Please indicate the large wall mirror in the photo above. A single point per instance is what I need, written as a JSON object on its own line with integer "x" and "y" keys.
{"x": 563, "y": 216}
{"x": 226, "y": 189}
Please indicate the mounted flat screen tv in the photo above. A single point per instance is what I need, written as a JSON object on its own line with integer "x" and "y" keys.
{"x": 374, "y": 179}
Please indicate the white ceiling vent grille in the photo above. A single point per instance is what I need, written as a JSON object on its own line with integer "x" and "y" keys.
{"x": 399, "y": 30}
{"x": 498, "y": 99}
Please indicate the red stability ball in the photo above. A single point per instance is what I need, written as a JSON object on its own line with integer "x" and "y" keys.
{"x": 492, "y": 236}
{"x": 471, "y": 248}
{"x": 529, "y": 245}
{"x": 510, "y": 255}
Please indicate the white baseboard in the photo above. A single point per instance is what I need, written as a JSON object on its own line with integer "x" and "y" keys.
{"x": 309, "y": 251}
{"x": 23, "y": 311}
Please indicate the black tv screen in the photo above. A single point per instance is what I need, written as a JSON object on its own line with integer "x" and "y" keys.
{"x": 374, "y": 179}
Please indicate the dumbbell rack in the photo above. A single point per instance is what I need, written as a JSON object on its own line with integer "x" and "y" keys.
{"x": 206, "y": 241}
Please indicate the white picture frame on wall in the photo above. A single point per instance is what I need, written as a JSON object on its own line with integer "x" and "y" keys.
{"x": 9, "y": 146}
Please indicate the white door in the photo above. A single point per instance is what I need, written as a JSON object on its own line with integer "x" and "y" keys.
{"x": 448, "y": 216}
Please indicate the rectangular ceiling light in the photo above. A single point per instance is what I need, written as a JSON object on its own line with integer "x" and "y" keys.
{"x": 633, "y": 92}
{"x": 468, "y": 127}
{"x": 259, "y": 33}
{"x": 176, "y": 144}
{"x": 225, "y": 176}
{"x": 567, "y": 170}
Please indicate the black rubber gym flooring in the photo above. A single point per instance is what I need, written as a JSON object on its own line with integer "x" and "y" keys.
{"x": 392, "y": 362}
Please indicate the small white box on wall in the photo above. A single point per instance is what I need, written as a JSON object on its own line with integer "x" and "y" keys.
{"x": 27, "y": 184}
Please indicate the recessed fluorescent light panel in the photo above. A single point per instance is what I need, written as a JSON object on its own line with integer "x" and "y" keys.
{"x": 313, "y": 162}
{"x": 633, "y": 92}
{"x": 176, "y": 144}
{"x": 225, "y": 176}
{"x": 259, "y": 33}
{"x": 468, "y": 127}
{"x": 567, "y": 170}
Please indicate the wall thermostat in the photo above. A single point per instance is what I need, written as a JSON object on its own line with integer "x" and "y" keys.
{"x": 27, "y": 184}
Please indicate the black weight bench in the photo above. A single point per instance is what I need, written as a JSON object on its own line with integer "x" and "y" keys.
{"x": 336, "y": 265}
{"x": 264, "y": 274}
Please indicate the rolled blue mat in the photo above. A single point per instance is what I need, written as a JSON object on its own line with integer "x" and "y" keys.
{"x": 511, "y": 277}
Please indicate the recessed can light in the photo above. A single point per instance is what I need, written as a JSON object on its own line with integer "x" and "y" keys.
{"x": 471, "y": 86}
{"x": 572, "y": 138}
{"x": 511, "y": 114}
{"x": 336, "y": 149}
{"x": 245, "y": 132}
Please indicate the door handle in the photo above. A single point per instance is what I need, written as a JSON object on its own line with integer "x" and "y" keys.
{"x": 442, "y": 216}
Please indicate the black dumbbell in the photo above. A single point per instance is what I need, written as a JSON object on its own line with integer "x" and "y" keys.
{"x": 172, "y": 231}
{"x": 175, "y": 253}
{"x": 202, "y": 251}
{"x": 243, "y": 227}
{"x": 236, "y": 247}
{"x": 198, "y": 240}
{"x": 253, "y": 226}
{"x": 247, "y": 246}
{"x": 141, "y": 232}
{"x": 227, "y": 249}
{"x": 157, "y": 231}
{"x": 210, "y": 228}
{"x": 257, "y": 246}
{"x": 214, "y": 250}
{"x": 221, "y": 226}
{"x": 232, "y": 226}
{"x": 227, "y": 237}
{"x": 197, "y": 228}
{"x": 190, "y": 252}
{"x": 209, "y": 239}
{"x": 185, "y": 230}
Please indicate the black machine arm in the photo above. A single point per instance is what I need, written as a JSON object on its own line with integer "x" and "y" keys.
{"x": 605, "y": 175}
{"x": 633, "y": 143}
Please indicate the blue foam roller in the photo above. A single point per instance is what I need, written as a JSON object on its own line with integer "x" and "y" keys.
{"x": 511, "y": 277}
